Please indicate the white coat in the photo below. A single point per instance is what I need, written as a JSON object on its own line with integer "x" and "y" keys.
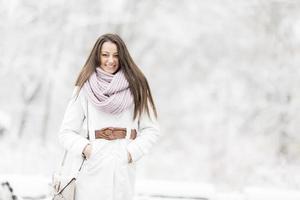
{"x": 106, "y": 175}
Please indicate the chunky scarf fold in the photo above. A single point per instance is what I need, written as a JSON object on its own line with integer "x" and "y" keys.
{"x": 108, "y": 92}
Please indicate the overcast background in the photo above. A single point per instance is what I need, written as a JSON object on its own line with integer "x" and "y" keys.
{"x": 225, "y": 76}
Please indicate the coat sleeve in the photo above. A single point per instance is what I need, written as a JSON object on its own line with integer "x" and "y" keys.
{"x": 69, "y": 134}
{"x": 148, "y": 134}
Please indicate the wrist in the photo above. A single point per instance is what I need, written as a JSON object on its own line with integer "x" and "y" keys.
{"x": 84, "y": 153}
{"x": 129, "y": 158}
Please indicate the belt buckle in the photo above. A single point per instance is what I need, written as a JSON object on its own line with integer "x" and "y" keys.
{"x": 109, "y": 132}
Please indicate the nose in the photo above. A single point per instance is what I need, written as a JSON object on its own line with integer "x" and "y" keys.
{"x": 110, "y": 60}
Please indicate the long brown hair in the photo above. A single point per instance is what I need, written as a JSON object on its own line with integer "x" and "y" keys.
{"x": 138, "y": 83}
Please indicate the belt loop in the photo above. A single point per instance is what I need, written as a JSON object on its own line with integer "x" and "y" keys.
{"x": 128, "y": 132}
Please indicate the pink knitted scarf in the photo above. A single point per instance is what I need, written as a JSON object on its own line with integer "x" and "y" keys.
{"x": 108, "y": 92}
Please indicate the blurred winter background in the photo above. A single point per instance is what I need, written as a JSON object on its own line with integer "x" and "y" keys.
{"x": 225, "y": 76}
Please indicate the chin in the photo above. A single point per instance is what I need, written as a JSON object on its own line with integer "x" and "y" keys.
{"x": 111, "y": 70}
{"x": 115, "y": 71}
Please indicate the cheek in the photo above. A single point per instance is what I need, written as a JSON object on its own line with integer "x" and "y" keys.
{"x": 102, "y": 59}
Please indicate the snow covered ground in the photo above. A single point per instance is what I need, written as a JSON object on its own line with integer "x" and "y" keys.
{"x": 38, "y": 187}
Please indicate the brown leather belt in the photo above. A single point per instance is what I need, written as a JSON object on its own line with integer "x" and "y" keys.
{"x": 112, "y": 133}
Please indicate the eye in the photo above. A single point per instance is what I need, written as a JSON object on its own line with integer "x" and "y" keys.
{"x": 104, "y": 54}
{"x": 116, "y": 56}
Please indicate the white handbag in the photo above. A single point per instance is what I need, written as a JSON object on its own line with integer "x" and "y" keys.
{"x": 64, "y": 188}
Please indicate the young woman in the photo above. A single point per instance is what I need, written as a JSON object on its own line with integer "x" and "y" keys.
{"x": 113, "y": 98}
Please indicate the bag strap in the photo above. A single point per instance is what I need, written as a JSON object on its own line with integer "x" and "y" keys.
{"x": 88, "y": 137}
{"x": 88, "y": 132}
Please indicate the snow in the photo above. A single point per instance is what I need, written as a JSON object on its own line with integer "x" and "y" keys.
{"x": 39, "y": 187}
{"x": 174, "y": 189}
{"x": 28, "y": 185}
{"x": 263, "y": 193}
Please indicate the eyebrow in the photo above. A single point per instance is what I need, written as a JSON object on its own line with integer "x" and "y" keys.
{"x": 108, "y": 52}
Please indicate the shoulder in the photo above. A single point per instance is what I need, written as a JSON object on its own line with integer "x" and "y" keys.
{"x": 77, "y": 93}
{"x": 78, "y": 99}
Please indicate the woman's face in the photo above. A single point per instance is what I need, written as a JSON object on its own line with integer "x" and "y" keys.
{"x": 109, "y": 58}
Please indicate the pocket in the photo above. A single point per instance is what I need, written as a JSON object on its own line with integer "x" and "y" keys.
{"x": 100, "y": 150}
{"x": 97, "y": 148}
{"x": 126, "y": 156}
{"x": 124, "y": 152}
